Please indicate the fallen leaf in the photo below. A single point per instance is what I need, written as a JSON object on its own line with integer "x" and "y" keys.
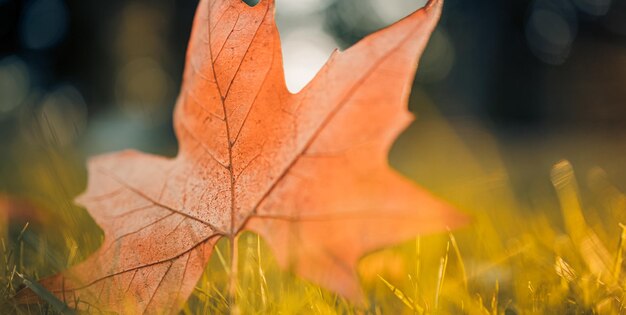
{"x": 306, "y": 171}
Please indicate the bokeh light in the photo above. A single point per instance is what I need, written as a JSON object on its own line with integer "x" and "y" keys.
{"x": 143, "y": 85}
{"x": 59, "y": 119}
{"x": 44, "y": 23}
{"x": 550, "y": 35}
{"x": 390, "y": 11}
{"x": 14, "y": 83}
{"x": 301, "y": 7}
{"x": 305, "y": 51}
{"x": 438, "y": 58}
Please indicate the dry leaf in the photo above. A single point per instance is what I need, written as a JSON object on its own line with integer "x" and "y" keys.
{"x": 306, "y": 171}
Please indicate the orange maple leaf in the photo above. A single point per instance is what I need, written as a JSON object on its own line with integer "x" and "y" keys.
{"x": 307, "y": 171}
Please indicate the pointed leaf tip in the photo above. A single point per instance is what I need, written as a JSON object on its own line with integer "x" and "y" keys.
{"x": 434, "y": 5}
{"x": 252, "y": 4}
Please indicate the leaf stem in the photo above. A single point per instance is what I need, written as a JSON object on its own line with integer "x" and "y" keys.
{"x": 234, "y": 268}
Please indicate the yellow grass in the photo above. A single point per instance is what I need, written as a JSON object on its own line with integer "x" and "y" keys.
{"x": 552, "y": 255}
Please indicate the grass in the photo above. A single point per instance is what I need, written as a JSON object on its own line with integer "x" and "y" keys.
{"x": 546, "y": 255}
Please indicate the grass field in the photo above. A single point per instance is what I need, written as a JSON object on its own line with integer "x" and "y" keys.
{"x": 544, "y": 240}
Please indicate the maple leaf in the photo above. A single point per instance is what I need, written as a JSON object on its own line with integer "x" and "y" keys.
{"x": 308, "y": 172}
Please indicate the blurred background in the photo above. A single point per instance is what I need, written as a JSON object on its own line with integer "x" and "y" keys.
{"x": 504, "y": 91}
{"x": 530, "y": 82}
